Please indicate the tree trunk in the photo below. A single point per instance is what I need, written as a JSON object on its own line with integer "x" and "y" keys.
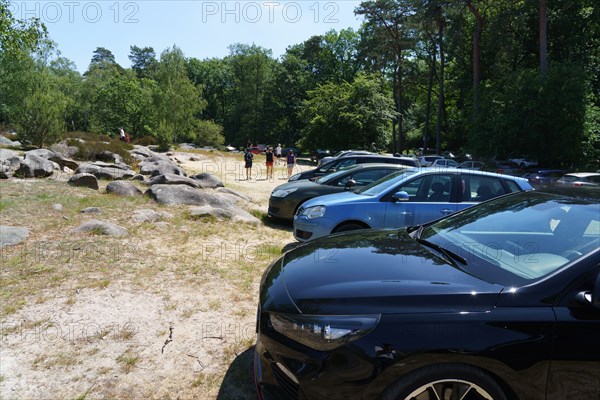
{"x": 438, "y": 129}
{"x": 543, "y": 37}
{"x": 479, "y": 24}
{"x": 429, "y": 91}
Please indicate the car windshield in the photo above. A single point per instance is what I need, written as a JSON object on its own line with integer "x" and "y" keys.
{"x": 379, "y": 186}
{"x": 323, "y": 180}
{"x": 520, "y": 238}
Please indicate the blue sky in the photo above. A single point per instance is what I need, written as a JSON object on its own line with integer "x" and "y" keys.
{"x": 202, "y": 29}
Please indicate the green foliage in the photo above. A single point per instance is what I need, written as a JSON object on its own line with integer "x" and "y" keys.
{"x": 17, "y": 36}
{"x": 176, "y": 100}
{"x": 540, "y": 117}
{"x": 347, "y": 115}
{"x": 40, "y": 121}
{"x": 209, "y": 133}
{"x": 93, "y": 147}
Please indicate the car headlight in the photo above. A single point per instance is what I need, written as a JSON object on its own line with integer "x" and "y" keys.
{"x": 314, "y": 212}
{"x": 283, "y": 192}
{"x": 294, "y": 177}
{"x": 324, "y": 332}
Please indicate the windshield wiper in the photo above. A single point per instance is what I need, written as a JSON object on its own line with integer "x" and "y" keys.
{"x": 450, "y": 255}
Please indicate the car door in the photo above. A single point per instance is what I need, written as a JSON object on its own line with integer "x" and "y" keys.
{"x": 575, "y": 368}
{"x": 430, "y": 197}
{"x": 476, "y": 188}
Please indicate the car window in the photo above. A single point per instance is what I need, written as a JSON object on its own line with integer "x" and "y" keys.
{"x": 479, "y": 188}
{"x": 594, "y": 178}
{"x": 428, "y": 188}
{"x": 363, "y": 178}
{"x": 521, "y": 237}
{"x": 512, "y": 186}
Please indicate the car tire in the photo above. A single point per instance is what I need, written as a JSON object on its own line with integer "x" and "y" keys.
{"x": 445, "y": 381}
{"x": 350, "y": 226}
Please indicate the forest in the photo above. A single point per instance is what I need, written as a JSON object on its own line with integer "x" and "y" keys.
{"x": 486, "y": 77}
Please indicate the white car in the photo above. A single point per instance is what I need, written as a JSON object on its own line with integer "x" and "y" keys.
{"x": 444, "y": 163}
{"x": 426, "y": 161}
{"x": 524, "y": 161}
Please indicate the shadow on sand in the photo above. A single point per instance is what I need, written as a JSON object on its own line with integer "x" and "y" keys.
{"x": 238, "y": 383}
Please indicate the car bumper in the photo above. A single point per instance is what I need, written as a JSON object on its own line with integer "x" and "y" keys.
{"x": 305, "y": 229}
{"x": 282, "y": 207}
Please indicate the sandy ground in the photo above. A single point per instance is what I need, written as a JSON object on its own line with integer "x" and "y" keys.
{"x": 161, "y": 317}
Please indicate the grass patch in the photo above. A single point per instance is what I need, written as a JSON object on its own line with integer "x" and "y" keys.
{"x": 127, "y": 362}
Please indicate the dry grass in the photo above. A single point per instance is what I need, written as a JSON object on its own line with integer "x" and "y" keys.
{"x": 113, "y": 300}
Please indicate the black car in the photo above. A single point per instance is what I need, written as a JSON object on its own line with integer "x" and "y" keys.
{"x": 500, "y": 301}
{"x": 349, "y": 161}
{"x": 285, "y": 199}
{"x": 318, "y": 154}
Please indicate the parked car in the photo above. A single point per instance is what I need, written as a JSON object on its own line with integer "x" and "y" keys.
{"x": 476, "y": 165}
{"x": 544, "y": 176}
{"x": 523, "y": 161}
{"x": 426, "y": 161}
{"x": 504, "y": 167}
{"x": 345, "y": 153}
{"x": 349, "y": 161}
{"x": 580, "y": 179}
{"x": 500, "y": 301}
{"x": 285, "y": 199}
{"x": 318, "y": 154}
{"x": 255, "y": 150}
{"x": 444, "y": 163}
{"x": 404, "y": 198}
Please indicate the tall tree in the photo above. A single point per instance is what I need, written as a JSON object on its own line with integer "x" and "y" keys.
{"x": 392, "y": 16}
{"x": 143, "y": 60}
{"x": 543, "y": 7}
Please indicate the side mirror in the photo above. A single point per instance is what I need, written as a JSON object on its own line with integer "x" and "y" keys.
{"x": 400, "y": 196}
{"x": 350, "y": 184}
{"x": 590, "y": 298}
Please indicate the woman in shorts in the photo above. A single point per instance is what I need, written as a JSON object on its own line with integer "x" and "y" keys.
{"x": 269, "y": 154}
{"x": 291, "y": 162}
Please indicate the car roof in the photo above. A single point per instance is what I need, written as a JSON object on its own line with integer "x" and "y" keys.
{"x": 424, "y": 171}
{"x": 583, "y": 174}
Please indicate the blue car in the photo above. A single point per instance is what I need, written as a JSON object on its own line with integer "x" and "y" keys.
{"x": 410, "y": 197}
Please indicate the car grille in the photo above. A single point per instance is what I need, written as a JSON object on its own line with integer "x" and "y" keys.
{"x": 273, "y": 210}
{"x": 300, "y": 210}
{"x": 289, "y": 388}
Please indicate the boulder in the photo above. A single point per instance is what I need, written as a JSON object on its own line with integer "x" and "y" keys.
{"x": 100, "y": 227}
{"x": 141, "y": 152}
{"x": 230, "y": 192}
{"x": 84, "y": 180}
{"x": 110, "y": 157}
{"x": 7, "y": 142}
{"x": 4, "y": 174}
{"x": 34, "y": 166}
{"x": 207, "y": 181}
{"x": 172, "y": 179}
{"x": 9, "y": 157}
{"x": 64, "y": 162}
{"x": 10, "y": 235}
{"x": 106, "y": 171}
{"x": 159, "y": 165}
{"x": 123, "y": 189}
{"x": 44, "y": 153}
{"x": 184, "y": 194}
{"x": 148, "y": 215}
{"x": 63, "y": 149}
{"x": 233, "y": 213}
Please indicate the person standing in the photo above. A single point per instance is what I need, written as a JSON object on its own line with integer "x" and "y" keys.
{"x": 248, "y": 156}
{"x": 278, "y": 152}
{"x": 269, "y": 154}
{"x": 291, "y": 162}
{"x": 122, "y": 134}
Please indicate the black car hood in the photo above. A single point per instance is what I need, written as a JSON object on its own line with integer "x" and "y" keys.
{"x": 303, "y": 184}
{"x": 375, "y": 271}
